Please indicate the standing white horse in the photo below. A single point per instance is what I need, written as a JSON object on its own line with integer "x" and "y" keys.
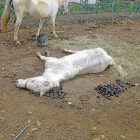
{"x": 39, "y": 9}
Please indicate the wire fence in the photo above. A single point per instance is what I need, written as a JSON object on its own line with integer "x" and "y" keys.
{"x": 101, "y": 10}
{"x": 108, "y": 9}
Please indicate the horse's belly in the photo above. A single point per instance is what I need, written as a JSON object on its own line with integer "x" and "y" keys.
{"x": 39, "y": 11}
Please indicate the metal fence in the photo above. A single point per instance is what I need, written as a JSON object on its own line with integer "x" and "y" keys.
{"x": 101, "y": 10}
{"x": 104, "y": 9}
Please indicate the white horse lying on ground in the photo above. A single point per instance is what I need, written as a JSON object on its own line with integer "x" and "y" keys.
{"x": 39, "y": 9}
{"x": 65, "y": 68}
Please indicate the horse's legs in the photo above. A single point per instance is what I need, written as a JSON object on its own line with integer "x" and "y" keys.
{"x": 41, "y": 56}
{"x": 53, "y": 26}
{"x": 40, "y": 26}
{"x": 16, "y": 27}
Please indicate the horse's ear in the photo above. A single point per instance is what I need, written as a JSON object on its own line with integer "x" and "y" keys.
{"x": 46, "y": 83}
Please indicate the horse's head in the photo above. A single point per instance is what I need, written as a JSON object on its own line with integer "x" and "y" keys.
{"x": 65, "y": 6}
{"x": 37, "y": 84}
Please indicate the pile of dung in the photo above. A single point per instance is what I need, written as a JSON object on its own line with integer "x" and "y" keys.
{"x": 112, "y": 89}
{"x": 53, "y": 93}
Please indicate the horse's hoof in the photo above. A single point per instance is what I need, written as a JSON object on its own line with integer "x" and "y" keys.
{"x": 18, "y": 43}
{"x": 47, "y": 53}
{"x": 38, "y": 54}
{"x": 56, "y": 36}
{"x": 36, "y": 36}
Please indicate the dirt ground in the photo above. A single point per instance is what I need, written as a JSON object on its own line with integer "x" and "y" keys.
{"x": 88, "y": 117}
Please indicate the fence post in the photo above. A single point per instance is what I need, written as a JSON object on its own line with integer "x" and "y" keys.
{"x": 112, "y": 9}
{"x": 82, "y": 11}
{"x": 136, "y": 7}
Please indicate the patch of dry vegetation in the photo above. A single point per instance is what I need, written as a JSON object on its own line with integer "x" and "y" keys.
{"x": 124, "y": 54}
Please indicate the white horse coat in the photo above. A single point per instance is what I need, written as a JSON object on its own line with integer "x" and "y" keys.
{"x": 65, "y": 68}
{"x": 39, "y": 9}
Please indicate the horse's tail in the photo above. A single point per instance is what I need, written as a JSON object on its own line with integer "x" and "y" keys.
{"x": 5, "y": 16}
{"x": 119, "y": 68}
